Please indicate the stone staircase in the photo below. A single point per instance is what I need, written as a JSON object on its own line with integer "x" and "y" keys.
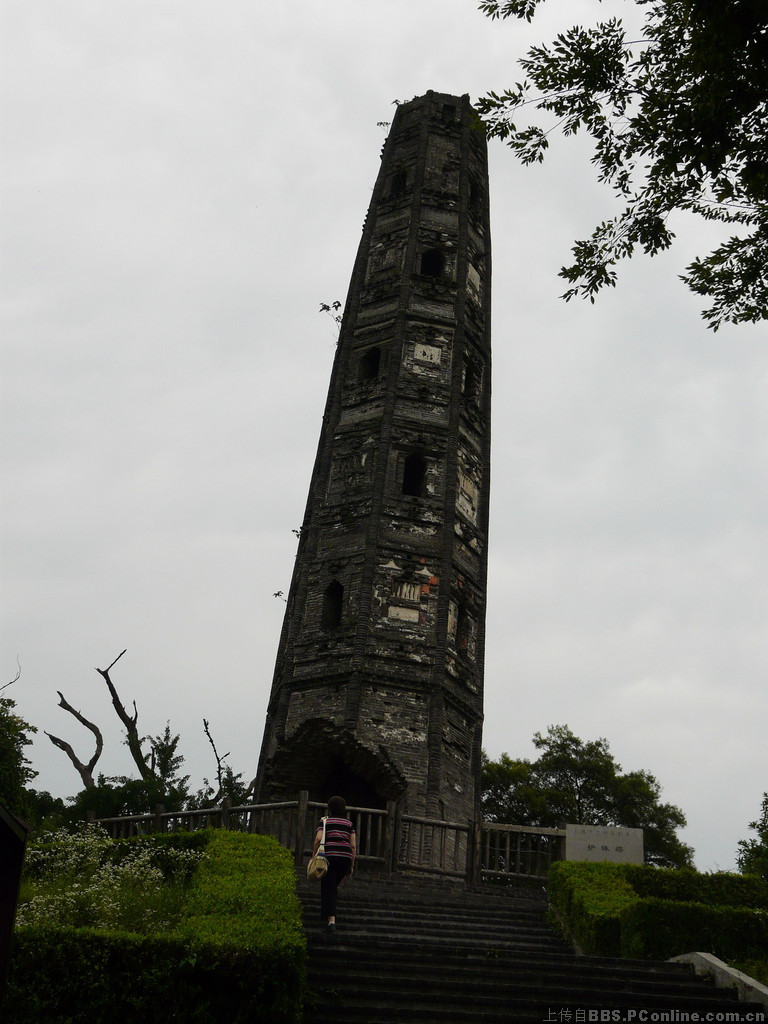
{"x": 427, "y": 951}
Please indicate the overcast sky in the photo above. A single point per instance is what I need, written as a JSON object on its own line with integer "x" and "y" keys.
{"x": 183, "y": 184}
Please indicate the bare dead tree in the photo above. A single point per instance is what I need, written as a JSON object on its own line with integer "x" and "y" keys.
{"x": 129, "y": 722}
{"x": 85, "y": 770}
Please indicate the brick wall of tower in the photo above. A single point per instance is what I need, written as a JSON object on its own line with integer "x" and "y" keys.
{"x": 397, "y": 719}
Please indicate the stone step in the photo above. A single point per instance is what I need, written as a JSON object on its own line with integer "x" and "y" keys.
{"x": 437, "y": 953}
{"x": 392, "y": 1008}
{"x": 416, "y": 892}
{"x": 493, "y": 998}
{"x": 385, "y": 960}
{"x": 394, "y": 959}
{"x": 462, "y": 930}
{"x": 400, "y": 913}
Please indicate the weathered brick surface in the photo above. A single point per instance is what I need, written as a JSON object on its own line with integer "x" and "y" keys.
{"x": 384, "y": 630}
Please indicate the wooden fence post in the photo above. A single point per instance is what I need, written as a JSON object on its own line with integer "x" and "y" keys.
{"x": 476, "y": 833}
{"x": 390, "y": 836}
{"x": 157, "y": 821}
{"x": 469, "y": 863}
{"x": 301, "y": 823}
{"x": 226, "y": 803}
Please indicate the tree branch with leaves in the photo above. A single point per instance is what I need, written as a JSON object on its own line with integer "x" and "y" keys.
{"x": 16, "y": 770}
{"x": 679, "y": 119}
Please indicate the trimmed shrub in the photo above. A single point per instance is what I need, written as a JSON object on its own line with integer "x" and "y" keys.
{"x": 656, "y": 929}
{"x": 650, "y": 913}
{"x": 689, "y": 886}
{"x": 588, "y": 900}
{"x": 89, "y": 976}
{"x": 237, "y": 953}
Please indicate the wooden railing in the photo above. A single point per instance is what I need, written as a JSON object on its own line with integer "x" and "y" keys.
{"x": 512, "y": 851}
{"x": 438, "y": 847}
{"x": 386, "y": 840}
{"x": 293, "y": 823}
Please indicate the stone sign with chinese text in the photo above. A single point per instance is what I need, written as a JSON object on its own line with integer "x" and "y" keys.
{"x": 603, "y": 843}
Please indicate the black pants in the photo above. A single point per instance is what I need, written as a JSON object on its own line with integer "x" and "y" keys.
{"x": 338, "y": 869}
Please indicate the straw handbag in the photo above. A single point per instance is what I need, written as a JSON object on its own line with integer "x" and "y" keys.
{"x": 318, "y": 863}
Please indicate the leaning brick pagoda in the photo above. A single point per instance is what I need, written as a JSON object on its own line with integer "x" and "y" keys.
{"x": 378, "y": 686}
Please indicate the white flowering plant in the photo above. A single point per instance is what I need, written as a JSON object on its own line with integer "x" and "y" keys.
{"x": 86, "y": 879}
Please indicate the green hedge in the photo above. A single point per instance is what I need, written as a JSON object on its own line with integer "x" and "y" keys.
{"x": 588, "y": 900}
{"x": 650, "y": 913}
{"x": 655, "y": 929}
{"x": 238, "y": 954}
{"x": 687, "y": 885}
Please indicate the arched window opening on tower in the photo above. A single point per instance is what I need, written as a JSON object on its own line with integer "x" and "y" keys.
{"x": 475, "y": 197}
{"x": 433, "y": 263}
{"x": 370, "y": 364}
{"x": 398, "y": 183}
{"x": 333, "y": 600}
{"x": 415, "y": 476}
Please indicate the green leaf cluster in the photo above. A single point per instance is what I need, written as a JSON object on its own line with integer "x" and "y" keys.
{"x": 686, "y": 885}
{"x": 15, "y": 767}
{"x": 245, "y": 886}
{"x": 679, "y": 121}
{"x": 752, "y": 857}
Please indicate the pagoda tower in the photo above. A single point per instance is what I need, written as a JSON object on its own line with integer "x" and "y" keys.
{"x": 378, "y": 686}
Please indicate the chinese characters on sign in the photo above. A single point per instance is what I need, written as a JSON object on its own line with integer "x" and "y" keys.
{"x": 601, "y": 842}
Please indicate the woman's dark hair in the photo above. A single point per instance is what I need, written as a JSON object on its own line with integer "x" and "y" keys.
{"x": 337, "y": 806}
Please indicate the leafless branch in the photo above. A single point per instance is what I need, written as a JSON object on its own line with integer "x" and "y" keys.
{"x": 85, "y": 770}
{"x": 15, "y": 678}
{"x": 132, "y": 733}
{"x": 219, "y": 760}
{"x": 114, "y": 662}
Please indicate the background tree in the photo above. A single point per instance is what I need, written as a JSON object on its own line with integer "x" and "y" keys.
{"x": 752, "y": 857}
{"x": 679, "y": 119}
{"x": 511, "y": 793}
{"x": 166, "y": 765}
{"x": 579, "y": 783}
{"x": 15, "y": 767}
{"x": 45, "y": 810}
